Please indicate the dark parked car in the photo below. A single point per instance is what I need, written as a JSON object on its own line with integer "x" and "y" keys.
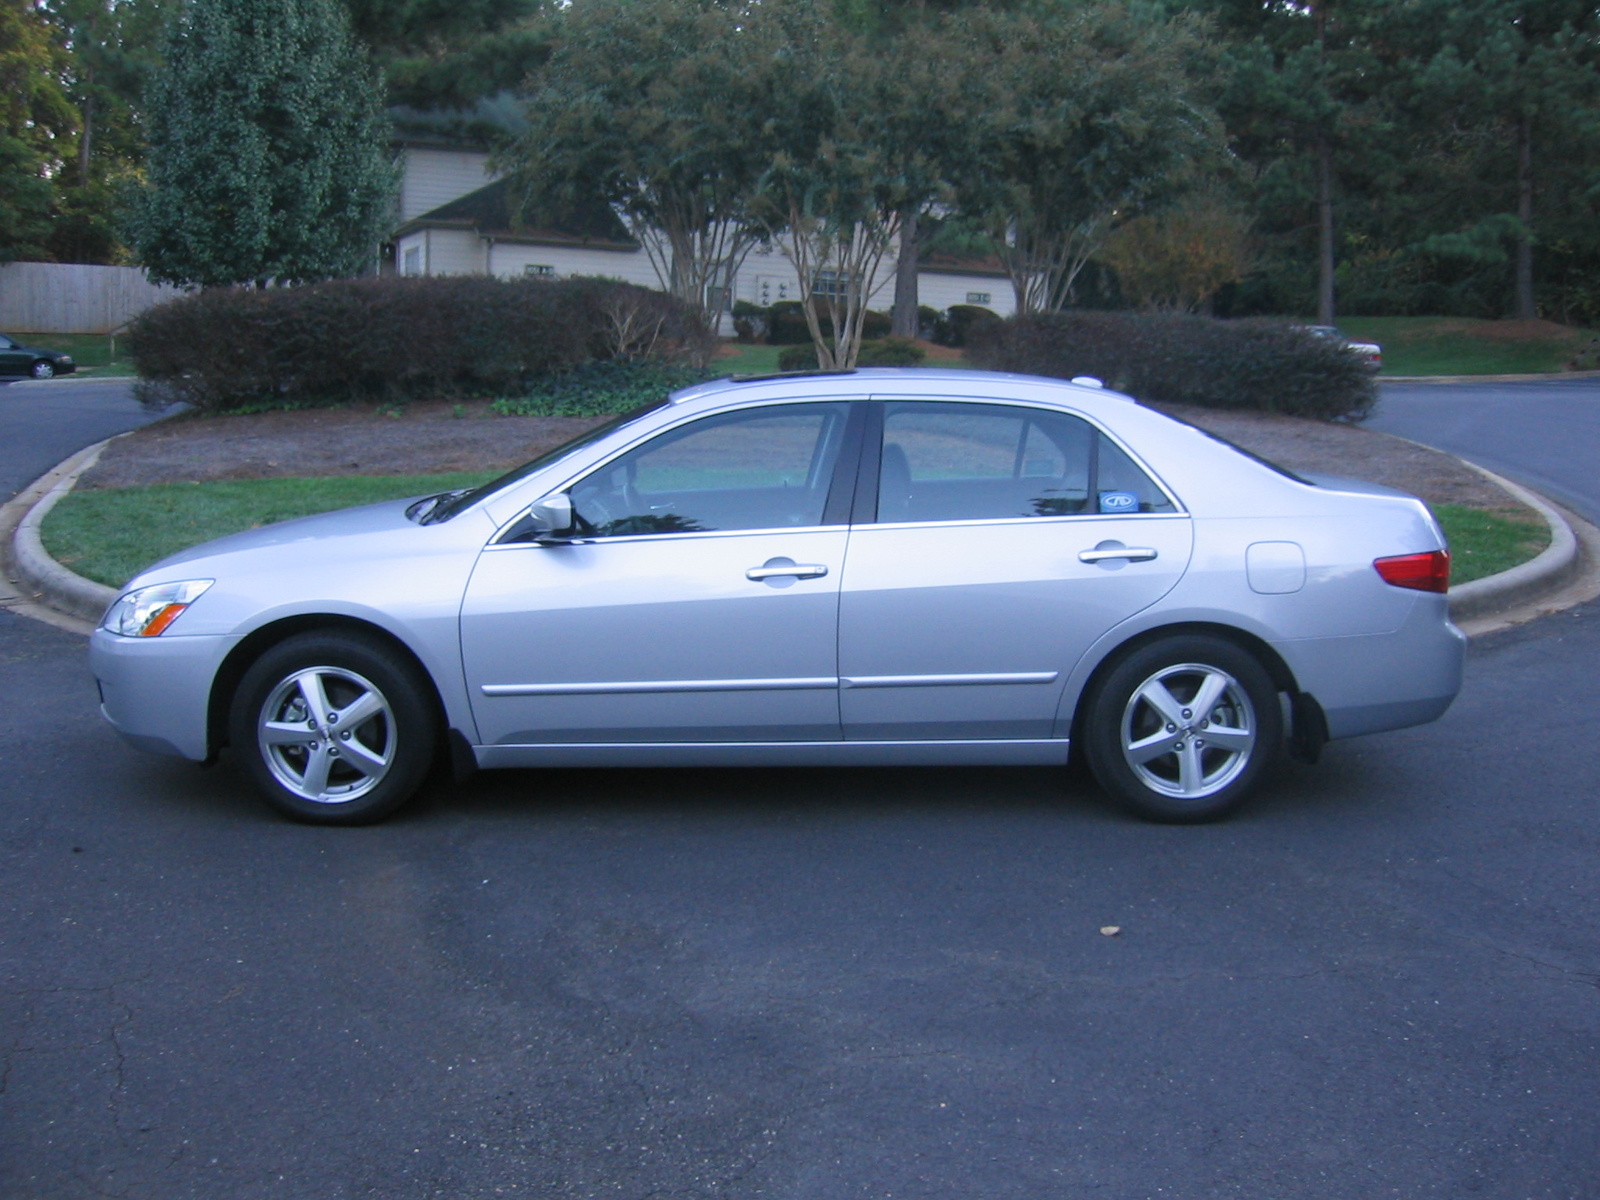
{"x": 17, "y": 359}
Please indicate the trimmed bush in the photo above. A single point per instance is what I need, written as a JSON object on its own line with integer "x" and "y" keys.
{"x": 1267, "y": 366}
{"x": 885, "y": 352}
{"x": 962, "y": 322}
{"x": 392, "y": 339}
{"x": 607, "y": 386}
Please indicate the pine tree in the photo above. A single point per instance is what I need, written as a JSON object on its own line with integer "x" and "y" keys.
{"x": 267, "y": 155}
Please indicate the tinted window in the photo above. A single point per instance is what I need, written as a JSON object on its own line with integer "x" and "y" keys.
{"x": 765, "y": 468}
{"x": 1123, "y": 487}
{"x": 963, "y": 462}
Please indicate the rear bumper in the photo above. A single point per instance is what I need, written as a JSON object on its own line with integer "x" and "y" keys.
{"x": 156, "y": 691}
{"x": 1387, "y": 681}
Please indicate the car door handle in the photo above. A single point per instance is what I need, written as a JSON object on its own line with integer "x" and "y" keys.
{"x": 793, "y": 570}
{"x": 1131, "y": 553}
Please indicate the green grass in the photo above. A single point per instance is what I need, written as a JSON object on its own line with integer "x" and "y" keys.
{"x": 748, "y": 360}
{"x": 1486, "y": 543}
{"x": 1461, "y": 346}
{"x": 91, "y": 351}
{"x": 111, "y": 534}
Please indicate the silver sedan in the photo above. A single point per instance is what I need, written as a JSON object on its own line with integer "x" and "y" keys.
{"x": 869, "y": 567}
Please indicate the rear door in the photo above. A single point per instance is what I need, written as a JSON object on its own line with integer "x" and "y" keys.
{"x": 996, "y": 544}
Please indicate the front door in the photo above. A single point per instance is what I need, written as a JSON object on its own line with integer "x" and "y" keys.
{"x": 994, "y": 562}
{"x": 700, "y": 603}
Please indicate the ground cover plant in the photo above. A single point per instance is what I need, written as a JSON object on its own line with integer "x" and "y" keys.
{"x": 601, "y": 387}
{"x": 1485, "y": 543}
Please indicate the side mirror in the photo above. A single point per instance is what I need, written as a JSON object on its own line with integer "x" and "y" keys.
{"x": 548, "y": 522}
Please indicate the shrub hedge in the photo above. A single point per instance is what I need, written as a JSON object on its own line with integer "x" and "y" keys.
{"x": 393, "y": 339}
{"x": 1268, "y": 366}
{"x": 960, "y": 323}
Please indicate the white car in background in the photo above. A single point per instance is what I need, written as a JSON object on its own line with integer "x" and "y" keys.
{"x": 1370, "y": 352}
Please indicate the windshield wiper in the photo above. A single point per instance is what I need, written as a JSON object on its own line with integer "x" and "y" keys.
{"x": 422, "y": 511}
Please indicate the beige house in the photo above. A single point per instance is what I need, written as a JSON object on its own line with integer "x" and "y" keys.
{"x": 456, "y": 218}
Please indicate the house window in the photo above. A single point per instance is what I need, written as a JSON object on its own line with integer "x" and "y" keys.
{"x": 718, "y": 299}
{"x": 539, "y": 271}
{"x": 977, "y": 297}
{"x": 411, "y": 262}
{"x": 829, "y": 285}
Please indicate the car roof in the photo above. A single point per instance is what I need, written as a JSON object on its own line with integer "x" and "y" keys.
{"x": 896, "y": 382}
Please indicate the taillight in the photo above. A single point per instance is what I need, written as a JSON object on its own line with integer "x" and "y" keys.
{"x": 1428, "y": 572}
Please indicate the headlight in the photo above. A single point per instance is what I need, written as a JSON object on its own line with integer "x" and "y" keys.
{"x": 150, "y": 611}
{"x": 65, "y": 360}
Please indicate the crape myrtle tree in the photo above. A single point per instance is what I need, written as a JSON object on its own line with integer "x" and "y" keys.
{"x": 853, "y": 140}
{"x": 268, "y": 155}
{"x": 655, "y": 105}
{"x": 1088, "y": 112}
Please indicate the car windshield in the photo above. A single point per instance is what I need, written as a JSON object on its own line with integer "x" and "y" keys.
{"x": 460, "y": 501}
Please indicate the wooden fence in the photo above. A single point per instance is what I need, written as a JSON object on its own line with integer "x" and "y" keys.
{"x": 71, "y": 298}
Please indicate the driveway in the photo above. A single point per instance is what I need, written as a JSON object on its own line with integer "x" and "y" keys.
{"x": 43, "y": 423}
{"x": 1545, "y": 434}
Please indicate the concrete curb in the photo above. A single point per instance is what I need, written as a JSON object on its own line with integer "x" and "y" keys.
{"x": 1552, "y": 567}
{"x": 73, "y": 378}
{"x": 42, "y": 581}
{"x": 1542, "y": 377}
{"x": 47, "y": 584}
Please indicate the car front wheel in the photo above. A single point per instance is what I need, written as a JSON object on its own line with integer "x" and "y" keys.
{"x": 334, "y": 728}
{"x": 44, "y": 369}
{"x": 1182, "y": 729}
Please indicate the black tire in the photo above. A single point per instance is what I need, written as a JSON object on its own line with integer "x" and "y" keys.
{"x": 1157, "y": 754}
{"x": 334, "y": 774}
{"x": 44, "y": 369}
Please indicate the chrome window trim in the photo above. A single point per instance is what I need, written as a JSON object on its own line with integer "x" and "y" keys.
{"x": 1065, "y": 518}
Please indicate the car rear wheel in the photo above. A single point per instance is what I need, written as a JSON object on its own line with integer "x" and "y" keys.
{"x": 44, "y": 369}
{"x": 1182, "y": 729}
{"x": 334, "y": 728}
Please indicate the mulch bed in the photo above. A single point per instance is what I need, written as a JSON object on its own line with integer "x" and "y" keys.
{"x": 428, "y": 438}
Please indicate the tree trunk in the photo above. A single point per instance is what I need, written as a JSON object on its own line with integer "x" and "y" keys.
{"x": 1325, "y": 313}
{"x": 905, "y": 323}
{"x": 1527, "y": 309}
{"x": 86, "y": 142}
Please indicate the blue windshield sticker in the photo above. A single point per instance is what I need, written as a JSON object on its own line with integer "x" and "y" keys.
{"x": 1118, "y": 502}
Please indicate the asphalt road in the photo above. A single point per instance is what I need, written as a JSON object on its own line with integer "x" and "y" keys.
{"x": 1545, "y": 435}
{"x": 41, "y": 424}
{"x": 1382, "y": 980}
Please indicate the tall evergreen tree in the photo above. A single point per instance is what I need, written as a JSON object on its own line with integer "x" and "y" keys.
{"x": 268, "y": 156}
{"x": 37, "y": 121}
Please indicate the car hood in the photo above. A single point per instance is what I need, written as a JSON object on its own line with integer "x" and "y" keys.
{"x": 347, "y": 522}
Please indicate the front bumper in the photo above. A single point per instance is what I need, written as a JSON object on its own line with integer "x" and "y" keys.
{"x": 156, "y": 691}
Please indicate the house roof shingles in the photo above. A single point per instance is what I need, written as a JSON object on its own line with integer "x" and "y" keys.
{"x": 490, "y": 212}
